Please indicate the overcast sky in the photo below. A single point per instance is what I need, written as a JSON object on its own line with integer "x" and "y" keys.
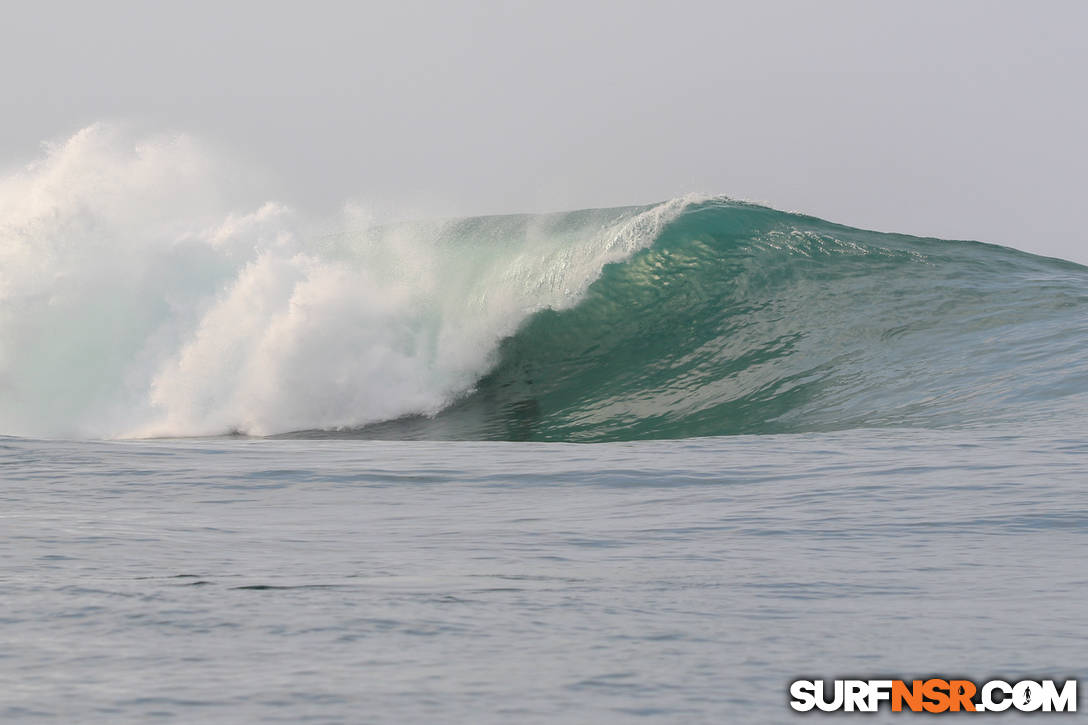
{"x": 954, "y": 119}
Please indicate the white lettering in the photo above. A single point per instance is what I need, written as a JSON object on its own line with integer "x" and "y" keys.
{"x": 803, "y": 693}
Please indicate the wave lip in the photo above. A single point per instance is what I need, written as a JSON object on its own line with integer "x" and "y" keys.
{"x": 140, "y": 295}
{"x": 740, "y": 319}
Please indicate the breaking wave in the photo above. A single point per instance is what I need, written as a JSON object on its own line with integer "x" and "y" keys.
{"x": 135, "y": 301}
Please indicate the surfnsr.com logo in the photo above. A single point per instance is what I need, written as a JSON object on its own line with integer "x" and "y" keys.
{"x": 933, "y": 695}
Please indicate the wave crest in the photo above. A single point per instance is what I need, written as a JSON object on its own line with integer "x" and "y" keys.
{"x": 742, "y": 319}
{"x": 138, "y": 298}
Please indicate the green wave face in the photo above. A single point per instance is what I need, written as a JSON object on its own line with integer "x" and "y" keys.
{"x": 742, "y": 319}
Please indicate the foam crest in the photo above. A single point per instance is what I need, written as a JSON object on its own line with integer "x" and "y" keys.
{"x": 139, "y": 297}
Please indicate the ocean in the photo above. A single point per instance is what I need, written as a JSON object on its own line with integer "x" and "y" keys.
{"x": 642, "y": 464}
{"x": 332, "y": 581}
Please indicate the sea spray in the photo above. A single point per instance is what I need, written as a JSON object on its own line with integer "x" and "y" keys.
{"x": 135, "y": 300}
{"x": 741, "y": 319}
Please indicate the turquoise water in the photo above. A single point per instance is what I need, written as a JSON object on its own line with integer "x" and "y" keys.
{"x": 639, "y": 464}
{"x": 743, "y": 319}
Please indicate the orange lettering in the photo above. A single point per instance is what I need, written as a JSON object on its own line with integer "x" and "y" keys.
{"x": 936, "y": 691}
{"x": 912, "y": 695}
{"x": 961, "y": 692}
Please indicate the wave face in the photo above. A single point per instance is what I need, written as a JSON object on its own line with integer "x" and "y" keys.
{"x": 139, "y": 297}
{"x": 741, "y": 319}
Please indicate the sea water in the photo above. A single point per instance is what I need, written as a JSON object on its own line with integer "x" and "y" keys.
{"x": 233, "y": 580}
{"x": 647, "y": 463}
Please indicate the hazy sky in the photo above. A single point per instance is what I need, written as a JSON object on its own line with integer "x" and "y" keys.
{"x": 954, "y": 119}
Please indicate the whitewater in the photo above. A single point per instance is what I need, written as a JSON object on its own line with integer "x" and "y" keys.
{"x": 134, "y": 306}
{"x": 648, "y": 463}
{"x": 168, "y": 314}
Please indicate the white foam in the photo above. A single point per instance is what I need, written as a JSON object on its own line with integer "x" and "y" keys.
{"x": 136, "y": 298}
